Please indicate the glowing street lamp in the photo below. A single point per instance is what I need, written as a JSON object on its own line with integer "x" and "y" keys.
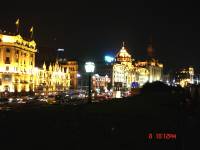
{"x": 89, "y": 68}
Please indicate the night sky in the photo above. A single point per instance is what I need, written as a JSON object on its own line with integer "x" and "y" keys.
{"x": 89, "y": 30}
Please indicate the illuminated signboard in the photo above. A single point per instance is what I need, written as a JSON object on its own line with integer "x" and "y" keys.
{"x": 60, "y": 50}
{"x": 108, "y": 59}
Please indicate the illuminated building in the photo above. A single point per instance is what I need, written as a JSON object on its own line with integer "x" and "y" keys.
{"x": 100, "y": 83}
{"x": 17, "y": 62}
{"x": 51, "y": 79}
{"x": 185, "y": 76}
{"x": 72, "y": 66}
{"x": 123, "y": 70}
{"x": 126, "y": 71}
{"x": 17, "y": 68}
{"x": 154, "y": 68}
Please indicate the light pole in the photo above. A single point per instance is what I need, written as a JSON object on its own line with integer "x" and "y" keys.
{"x": 79, "y": 82}
{"x": 89, "y": 68}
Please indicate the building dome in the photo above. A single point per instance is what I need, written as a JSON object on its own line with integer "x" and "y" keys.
{"x": 123, "y": 55}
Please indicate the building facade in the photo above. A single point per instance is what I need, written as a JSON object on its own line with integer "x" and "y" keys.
{"x": 184, "y": 76}
{"x": 123, "y": 70}
{"x": 72, "y": 66}
{"x": 17, "y": 62}
{"x": 100, "y": 83}
{"x": 17, "y": 67}
{"x": 127, "y": 71}
{"x": 51, "y": 79}
{"x": 154, "y": 68}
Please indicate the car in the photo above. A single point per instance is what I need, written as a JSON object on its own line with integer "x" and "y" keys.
{"x": 12, "y": 100}
{"x": 22, "y": 101}
{"x": 44, "y": 99}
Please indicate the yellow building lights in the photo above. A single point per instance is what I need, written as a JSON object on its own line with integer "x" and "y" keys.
{"x": 125, "y": 72}
{"x": 18, "y": 72}
{"x": 18, "y": 41}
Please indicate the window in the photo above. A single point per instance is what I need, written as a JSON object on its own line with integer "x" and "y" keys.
{"x": 7, "y": 77}
{"x": 17, "y": 51}
{"x": 7, "y": 68}
{"x": 7, "y": 60}
{"x": 7, "y": 50}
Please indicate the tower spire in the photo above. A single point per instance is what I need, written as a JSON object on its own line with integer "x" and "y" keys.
{"x": 44, "y": 66}
{"x": 123, "y": 44}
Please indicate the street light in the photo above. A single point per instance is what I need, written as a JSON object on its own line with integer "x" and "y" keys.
{"x": 89, "y": 68}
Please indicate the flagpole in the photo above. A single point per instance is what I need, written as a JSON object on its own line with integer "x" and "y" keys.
{"x": 31, "y": 35}
{"x": 31, "y": 30}
{"x": 17, "y": 26}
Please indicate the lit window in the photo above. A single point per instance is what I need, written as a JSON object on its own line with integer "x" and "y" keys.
{"x": 7, "y": 68}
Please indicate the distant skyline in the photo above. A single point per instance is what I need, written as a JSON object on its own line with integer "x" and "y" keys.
{"x": 88, "y": 30}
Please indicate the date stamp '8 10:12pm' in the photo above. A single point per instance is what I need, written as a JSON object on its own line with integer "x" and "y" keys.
{"x": 162, "y": 136}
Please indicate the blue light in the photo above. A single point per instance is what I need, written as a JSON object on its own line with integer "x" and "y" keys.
{"x": 135, "y": 85}
{"x": 108, "y": 59}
